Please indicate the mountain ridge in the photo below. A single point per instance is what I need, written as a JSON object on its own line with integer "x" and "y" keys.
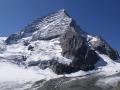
{"x": 76, "y": 44}
{"x": 53, "y": 52}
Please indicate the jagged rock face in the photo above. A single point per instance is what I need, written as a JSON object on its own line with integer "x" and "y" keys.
{"x": 65, "y": 83}
{"x": 71, "y": 41}
{"x": 104, "y": 48}
{"x": 74, "y": 47}
{"x": 2, "y": 46}
{"x": 45, "y": 28}
{"x": 75, "y": 44}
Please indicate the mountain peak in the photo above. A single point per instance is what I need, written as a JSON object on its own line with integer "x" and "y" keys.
{"x": 54, "y": 45}
{"x": 48, "y": 26}
{"x": 62, "y": 11}
{"x": 60, "y": 25}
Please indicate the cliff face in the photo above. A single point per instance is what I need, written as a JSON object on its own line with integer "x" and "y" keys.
{"x": 77, "y": 46}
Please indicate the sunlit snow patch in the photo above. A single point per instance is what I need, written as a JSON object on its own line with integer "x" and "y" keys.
{"x": 10, "y": 72}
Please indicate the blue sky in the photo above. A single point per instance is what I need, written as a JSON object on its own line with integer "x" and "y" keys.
{"x": 99, "y": 17}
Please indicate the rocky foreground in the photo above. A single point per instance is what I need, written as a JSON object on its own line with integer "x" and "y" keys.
{"x": 78, "y": 83}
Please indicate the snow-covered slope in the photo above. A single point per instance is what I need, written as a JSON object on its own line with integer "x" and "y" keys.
{"x": 51, "y": 47}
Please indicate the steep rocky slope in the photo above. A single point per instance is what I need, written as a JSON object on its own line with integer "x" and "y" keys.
{"x": 77, "y": 47}
{"x": 55, "y": 46}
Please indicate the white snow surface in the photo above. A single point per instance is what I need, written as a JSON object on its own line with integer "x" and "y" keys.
{"x": 11, "y": 72}
{"x": 13, "y": 77}
{"x": 43, "y": 50}
{"x": 46, "y": 50}
{"x": 107, "y": 66}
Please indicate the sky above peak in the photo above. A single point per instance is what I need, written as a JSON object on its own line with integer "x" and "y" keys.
{"x": 98, "y": 17}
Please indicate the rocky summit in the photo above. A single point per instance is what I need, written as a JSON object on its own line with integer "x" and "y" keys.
{"x": 76, "y": 45}
{"x": 55, "y": 45}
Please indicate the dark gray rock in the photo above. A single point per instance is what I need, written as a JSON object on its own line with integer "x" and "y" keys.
{"x": 12, "y": 39}
{"x": 79, "y": 63}
{"x": 16, "y": 59}
{"x": 74, "y": 46}
{"x": 75, "y": 83}
{"x": 30, "y": 47}
{"x": 34, "y": 63}
{"x": 104, "y": 48}
{"x": 57, "y": 67}
{"x": 26, "y": 43}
